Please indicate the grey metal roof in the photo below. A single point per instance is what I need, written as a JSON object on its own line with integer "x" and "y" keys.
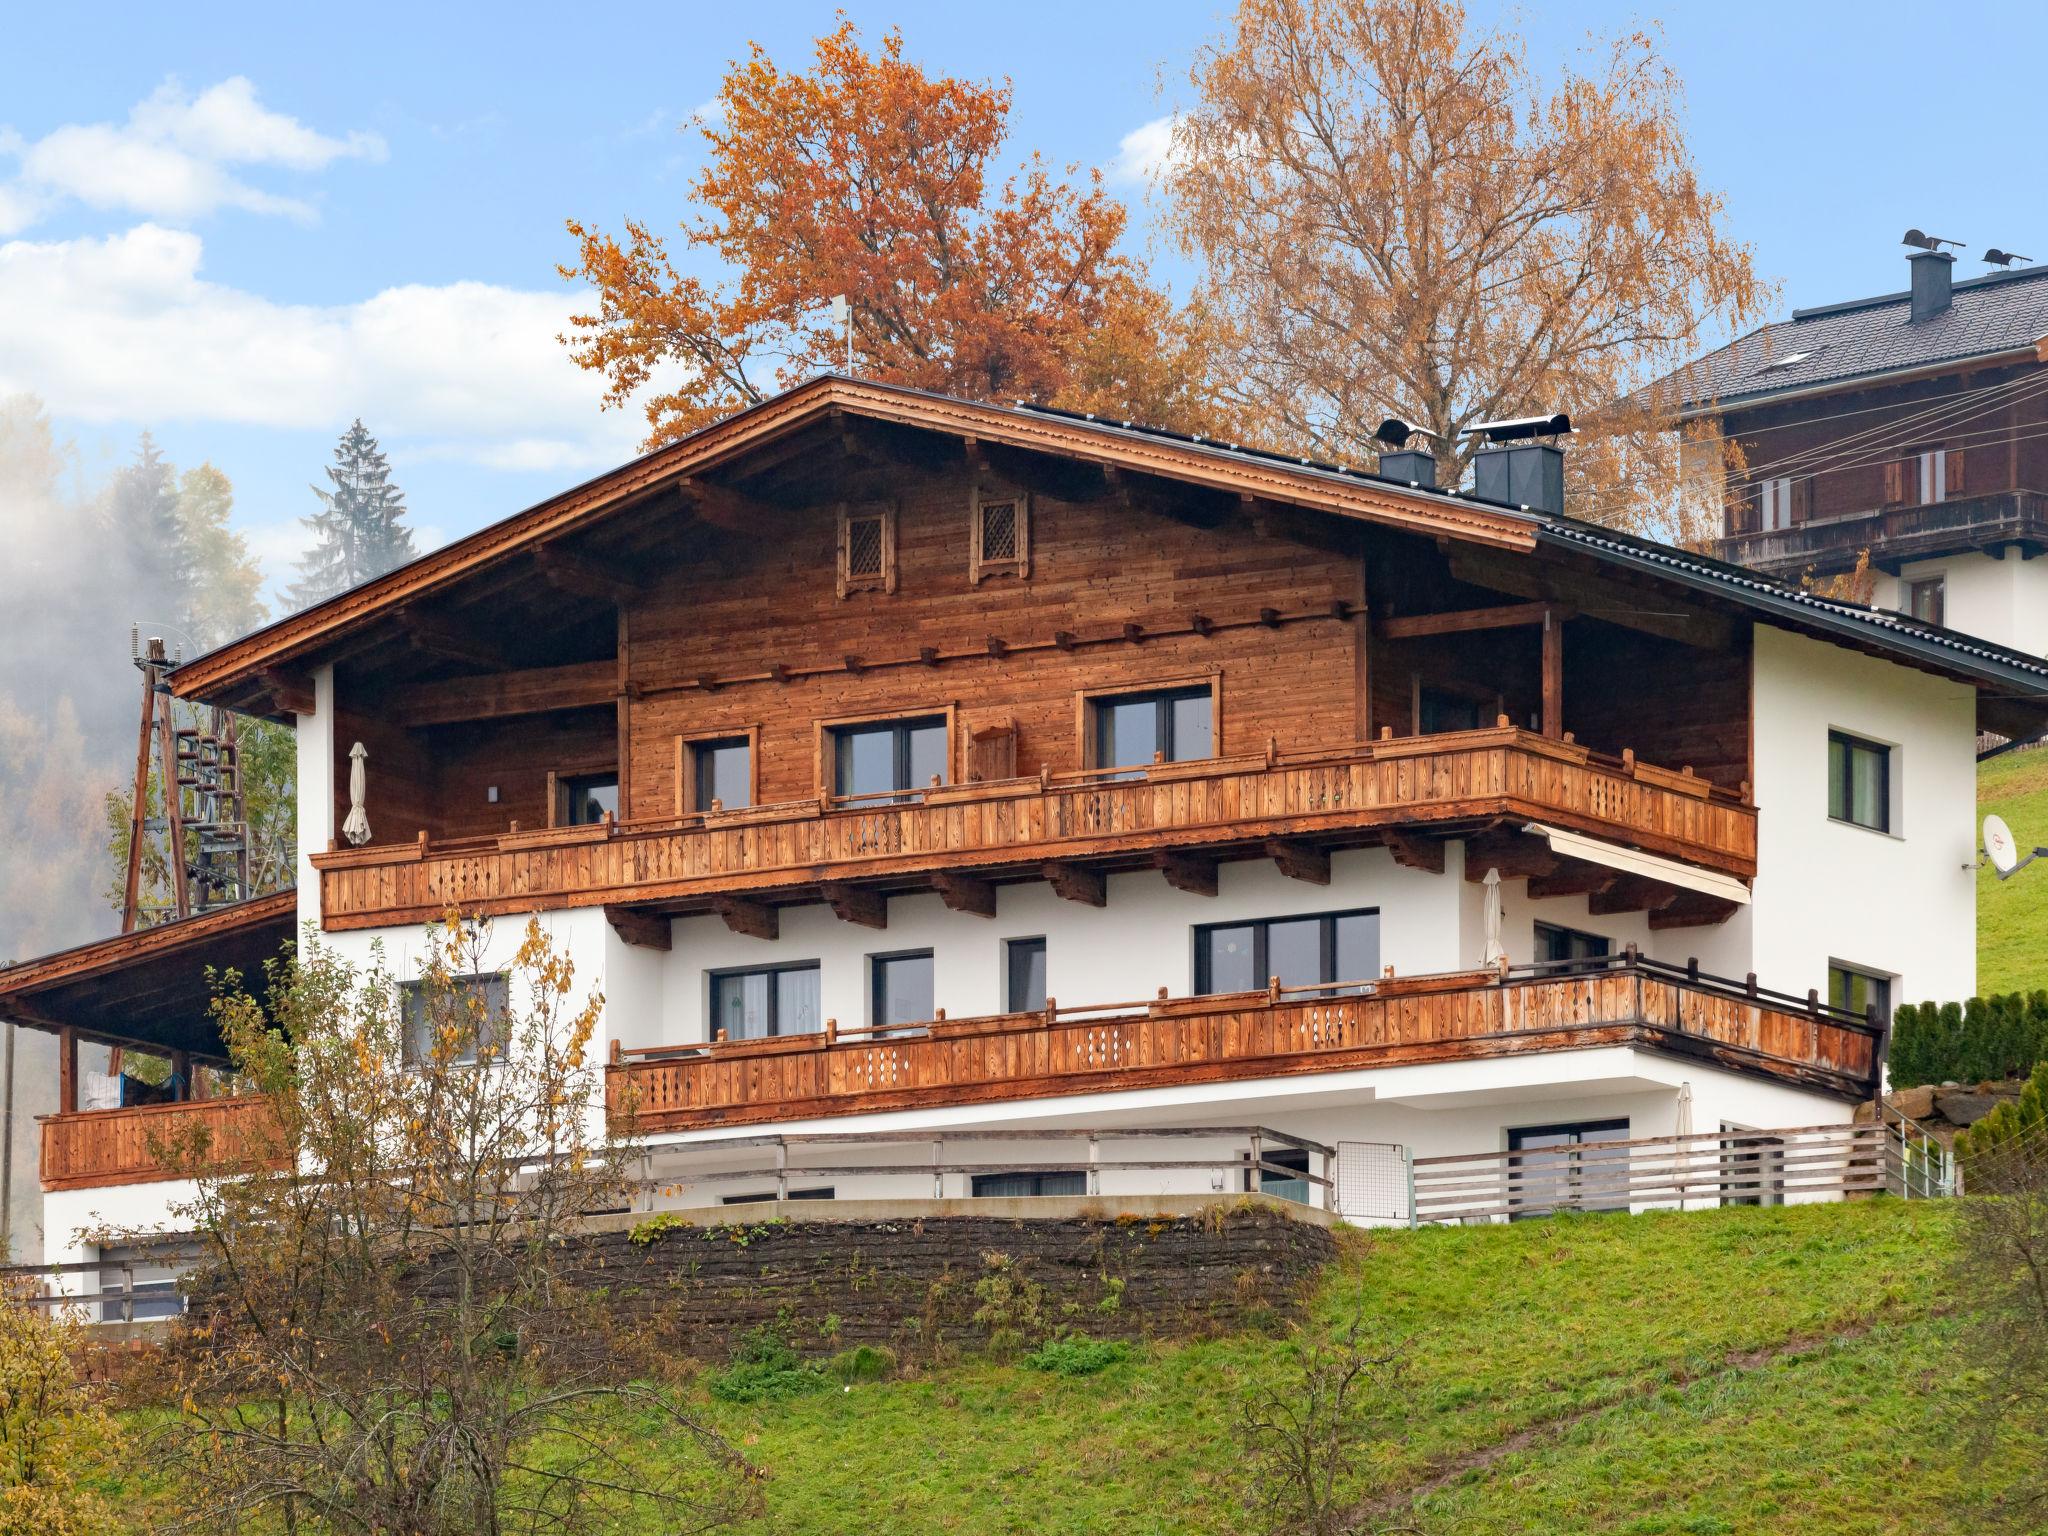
{"x": 1993, "y": 314}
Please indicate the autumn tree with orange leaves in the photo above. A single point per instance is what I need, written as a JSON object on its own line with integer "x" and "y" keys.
{"x": 869, "y": 178}
{"x": 1397, "y": 219}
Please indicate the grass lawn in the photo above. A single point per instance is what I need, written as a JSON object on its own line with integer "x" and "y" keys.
{"x": 2012, "y": 915}
{"x": 1718, "y": 1372}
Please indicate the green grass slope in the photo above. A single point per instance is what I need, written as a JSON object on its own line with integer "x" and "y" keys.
{"x": 2012, "y": 915}
{"x": 1786, "y": 1371}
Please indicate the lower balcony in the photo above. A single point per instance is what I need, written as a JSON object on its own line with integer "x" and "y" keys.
{"x": 1394, "y": 1021}
{"x": 1893, "y": 535}
{"x": 142, "y": 1144}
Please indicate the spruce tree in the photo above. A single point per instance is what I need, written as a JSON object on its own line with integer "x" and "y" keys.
{"x": 357, "y": 533}
{"x": 148, "y": 525}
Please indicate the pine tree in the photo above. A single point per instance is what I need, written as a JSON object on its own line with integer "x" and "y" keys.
{"x": 148, "y": 526}
{"x": 357, "y": 532}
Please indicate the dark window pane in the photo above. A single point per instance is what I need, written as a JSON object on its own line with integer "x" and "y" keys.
{"x": 866, "y": 762}
{"x": 1010, "y": 1184}
{"x": 797, "y": 1002}
{"x": 1224, "y": 960}
{"x": 473, "y": 1006}
{"x": 589, "y": 798}
{"x": 927, "y": 755}
{"x": 742, "y": 1005}
{"x": 1191, "y": 727}
{"x": 1025, "y": 991}
{"x": 1555, "y": 944}
{"x": 723, "y": 775}
{"x": 1130, "y": 733}
{"x": 1859, "y": 782}
{"x": 903, "y": 989}
{"x": 1294, "y": 952}
{"x": 1858, "y": 991}
{"x": 1357, "y": 947}
{"x": 1289, "y": 1185}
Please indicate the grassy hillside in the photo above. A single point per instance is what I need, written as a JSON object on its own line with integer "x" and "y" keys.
{"x": 1718, "y": 1372}
{"x": 2012, "y": 915}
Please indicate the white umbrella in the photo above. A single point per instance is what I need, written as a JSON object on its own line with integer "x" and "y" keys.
{"x": 357, "y": 828}
{"x": 1494, "y": 950}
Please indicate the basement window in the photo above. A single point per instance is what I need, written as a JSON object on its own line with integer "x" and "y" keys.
{"x": 867, "y": 547}
{"x": 822, "y": 1192}
{"x": 1008, "y": 1185}
{"x": 1556, "y": 1176}
{"x": 999, "y": 536}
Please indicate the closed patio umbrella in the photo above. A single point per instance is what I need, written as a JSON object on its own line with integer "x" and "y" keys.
{"x": 357, "y": 827}
{"x": 1494, "y": 950}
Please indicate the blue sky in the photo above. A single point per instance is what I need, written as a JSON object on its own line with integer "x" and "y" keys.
{"x": 240, "y": 227}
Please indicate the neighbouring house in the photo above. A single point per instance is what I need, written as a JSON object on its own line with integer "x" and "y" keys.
{"x": 969, "y": 801}
{"x": 1911, "y": 427}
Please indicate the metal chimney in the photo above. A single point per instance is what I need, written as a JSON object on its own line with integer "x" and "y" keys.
{"x": 1516, "y": 469}
{"x": 1410, "y": 466}
{"x": 1933, "y": 280}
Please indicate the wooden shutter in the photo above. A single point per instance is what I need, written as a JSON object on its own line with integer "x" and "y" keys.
{"x": 1802, "y": 499}
{"x": 1952, "y": 480}
{"x": 992, "y": 751}
{"x": 1895, "y": 479}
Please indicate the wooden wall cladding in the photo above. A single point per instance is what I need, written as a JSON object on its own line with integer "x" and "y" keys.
{"x": 1095, "y": 567}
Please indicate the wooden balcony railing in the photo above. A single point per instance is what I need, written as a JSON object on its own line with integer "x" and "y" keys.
{"x": 1392, "y": 1022}
{"x": 1019, "y": 823}
{"x": 91, "y": 1148}
{"x": 1893, "y": 533}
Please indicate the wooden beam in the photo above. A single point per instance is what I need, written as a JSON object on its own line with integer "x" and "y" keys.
{"x": 501, "y": 695}
{"x": 648, "y": 930}
{"x": 583, "y": 576}
{"x": 292, "y": 689}
{"x": 733, "y": 511}
{"x": 1553, "y": 674}
{"x": 1413, "y": 852}
{"x": 1187, "y": 872}
{"x": 1298, "y": 860}
{"x": 438, "y": 636}
{"x": 963, "y": 893}
{"x": 1075, "y": 882}
{"x": 1461, "y": 621}
{"x": 856, "y": 904}
{"x": 1693, "y": 909}
{"x": 1515, "y": 854}
{"x": 67, "y": 1070}
{"x": 751, "y": 918}
{"x": 1587, "y": 594}
{"x": 1631, "y": 893}
{"x": 1572, "y": 877}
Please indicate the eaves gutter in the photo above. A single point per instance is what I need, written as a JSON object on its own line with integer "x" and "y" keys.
{"x": 1949, "y": 652}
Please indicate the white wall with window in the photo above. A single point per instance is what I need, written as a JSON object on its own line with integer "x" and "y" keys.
{"x": 2003, "y": 601}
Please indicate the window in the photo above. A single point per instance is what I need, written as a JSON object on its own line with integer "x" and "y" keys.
{"x": 867, "y": 548}
{"x": 1174, "y": 725}
{"x": 1557, "y": 1177}
{"x": 1007, "y": 1184}
{"x": 1555, "y": 944}
{"x": 767, "y": 1000}
{"x": 1024, "y": 976}
{"x": 1438, "y": 710}
{"x": 1859, "y": 991}
{"x": 1291, "y": 1185}
{"x": 901, "y": 988}
{"x": 1774, "y": 503}
{"x": 1927, "y": 600}
{"x": 823, "y": 1192}
{"x": 1859, "y": 782}
{"x": 888, "y": 757}
{"x": 999, "y": 536}
{"x": 723, "y": 773}
{"x": 1933, "y": 472}
{"x": 1302, "y": 951}
{"x": 586, "y": 799}
{"x": 1752, "y": 1166}
{"x": 152, "y": 1272}
{"x": 473, "y": 1007}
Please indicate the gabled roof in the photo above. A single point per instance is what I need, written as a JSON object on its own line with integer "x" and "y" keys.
{"x": 1332, "y": 489}
{"x": 2003, "y": 314}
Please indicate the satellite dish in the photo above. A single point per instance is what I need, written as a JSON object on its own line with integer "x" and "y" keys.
{"x": 1999, "y": 847}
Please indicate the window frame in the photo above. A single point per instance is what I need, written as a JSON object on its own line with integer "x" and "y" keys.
{"x": 561, "y": 777}
{"x": 1937, "y": 586}
{"x": 769, "y": 1197}
{"x": 878, "y": 964}
{"x": 1038, "y": 1176}
{"x": 1088, "y": 703}
{"x": 829, "y": 731}
{"x": 1262, "y": 1181}
{"x": 1011, "y": 949}
{"x": 713, "y": 976}
{"x": 1880, "y": 982}
{"x": 689, "y": 769}
{"x": 1852, "y": 744}
{"x": 408, "y": 1053}
{"x": 884, "y": 580}
{"x": 1561, "y": 930}
{"x": 1261, "y": 955}
{"x": 1577, "y": 1129}
{"x": 979, "y": 563}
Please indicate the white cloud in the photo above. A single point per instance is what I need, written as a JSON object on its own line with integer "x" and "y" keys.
{"x": 125, "y": 329}
{"x": 1143, "y": 153}
{"x": 171, "y": 159}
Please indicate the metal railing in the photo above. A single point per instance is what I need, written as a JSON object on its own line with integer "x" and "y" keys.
{"x": 127, "y": 1300}
{"x": 1917, "y": 1165}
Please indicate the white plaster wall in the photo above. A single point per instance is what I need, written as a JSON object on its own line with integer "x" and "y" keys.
{"x": 1901, "y": 903}
{"x": 314, "y": 737}
{"x": 35, "y": 1093}
{"x": 2004, "y": 601}
{"x": 138, "y": 1210}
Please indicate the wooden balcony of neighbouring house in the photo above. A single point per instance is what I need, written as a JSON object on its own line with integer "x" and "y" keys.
{"x": 1993, "y": 523}
{"x": 1392, "y": 1021}
{"x": 1070, "y": 829}
{"x": 148, "y": 1143}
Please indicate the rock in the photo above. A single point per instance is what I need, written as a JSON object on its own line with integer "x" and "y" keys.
{"x": 1913, "y": 1103}
{"x": 1967, "y": 1107}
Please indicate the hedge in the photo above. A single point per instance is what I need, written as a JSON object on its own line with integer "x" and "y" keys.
{"x": 1986, "y": 1039}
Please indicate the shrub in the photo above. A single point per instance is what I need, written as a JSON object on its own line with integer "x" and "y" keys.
{"x": 1987, "y": 1038}
{"x": 1996, "y": 1147}
{"x": 1012, "y": 1304}
{"x": 1078, "y": 1355}
{"x": 864, "y": 1362}
{"x": 765, "y": 1368}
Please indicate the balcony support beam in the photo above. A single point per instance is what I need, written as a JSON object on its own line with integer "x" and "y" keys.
{"x": 856, "y": 904}
{"x": 751, "y": 918}
{"x": 963, "y": 893}
{"x": 1692, "y": 910}
{"x": 1298, "y": 860}
{"x": 1631, "y": 893}
{"x": 648, "y": 930}
{"x": 1188, "y": 872}
{"x": 1572, "y": 879}
{"x": 1411, "y": 852}
{"x": 1074, "y": 882}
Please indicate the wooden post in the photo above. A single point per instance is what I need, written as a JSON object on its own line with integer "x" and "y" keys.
{"x": 67, "y": 1070}
{"x": 1553, "y": 674}
{"x": 139, "y": 807}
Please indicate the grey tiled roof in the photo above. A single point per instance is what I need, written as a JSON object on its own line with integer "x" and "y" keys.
{"x": 1846, "y": 341}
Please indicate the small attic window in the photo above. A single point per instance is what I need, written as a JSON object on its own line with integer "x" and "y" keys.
{"x": 867, "y": 548}
{"x": 1790, "y": 360}
{"x": 999, "y": 535}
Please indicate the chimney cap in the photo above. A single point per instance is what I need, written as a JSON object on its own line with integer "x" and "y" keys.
{"x": 1516, "y": 428}
{"x": 1998, "y": 258}
{"x": 1927, "y": 242}
{"x": 1394, "y": 432}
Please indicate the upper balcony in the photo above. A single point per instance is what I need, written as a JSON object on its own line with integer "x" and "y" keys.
{"x": 1893, "y": 534}
{"x": 1068, "y": 828}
